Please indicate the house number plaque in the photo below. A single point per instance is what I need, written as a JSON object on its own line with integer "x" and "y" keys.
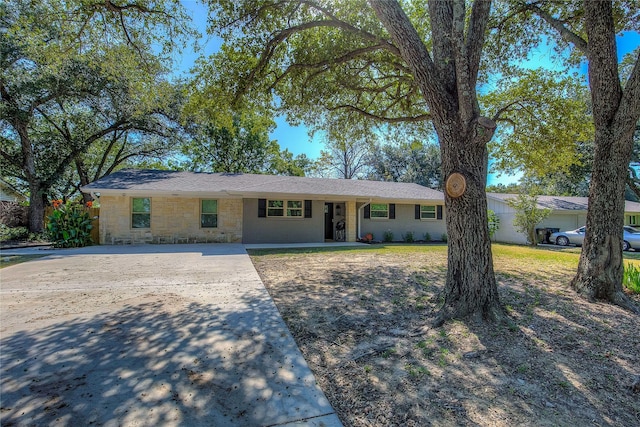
{"x": 456, "y": 185}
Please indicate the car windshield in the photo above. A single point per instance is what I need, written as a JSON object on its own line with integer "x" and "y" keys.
{"x": 632, "y": 230}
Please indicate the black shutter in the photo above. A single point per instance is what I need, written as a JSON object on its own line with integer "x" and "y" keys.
{"x": 367, "y": 211}
{"x": 392, "y": 211}
{"x": 262, "y": 208}
{"x": 439, "y": 214}
{"x": 307, "y": 208}
{"x": 417, "y": 211}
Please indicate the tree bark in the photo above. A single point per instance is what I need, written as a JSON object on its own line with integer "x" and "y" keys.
{"x": 471, "y": 291}
{"x": 615, "y": 114}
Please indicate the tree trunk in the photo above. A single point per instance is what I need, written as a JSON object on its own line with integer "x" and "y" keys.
{"x": 84, "y": 178}
{"x": 615, "y": 115}
{"x": 470, "y": 290}
{"x": 36, "y": 193}
{"x": 36, "y": 208}
{"x": 601, "y": 268}
{"x": 448, "y": 83}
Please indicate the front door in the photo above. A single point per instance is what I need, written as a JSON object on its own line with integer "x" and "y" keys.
{"x": 328, "y": 221}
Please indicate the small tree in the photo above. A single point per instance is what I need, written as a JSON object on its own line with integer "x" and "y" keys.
{"x": 494, "y": 223}
{"x": 528, "y": 215}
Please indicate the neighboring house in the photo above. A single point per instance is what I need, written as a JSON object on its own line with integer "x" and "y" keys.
{"x": 567, "y": 213}
{"x": 152, "y": 206}
{"x": 9, "y": 194}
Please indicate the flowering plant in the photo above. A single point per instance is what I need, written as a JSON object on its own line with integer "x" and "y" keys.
{"x": 69, "y": 226}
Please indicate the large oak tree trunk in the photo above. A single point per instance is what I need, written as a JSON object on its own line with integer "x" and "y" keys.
{"x": 36, "y": 208}
{"x": 448, "y": 83}
{"x": 600, "y": 269}
{"x": 615, "y": 114}
{"x": 470, "y": 290}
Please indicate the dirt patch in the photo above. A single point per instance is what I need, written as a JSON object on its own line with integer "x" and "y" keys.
{"x": 361, "y": 319}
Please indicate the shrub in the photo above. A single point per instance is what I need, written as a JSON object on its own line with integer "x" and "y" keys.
{"x": 427, "y": 237}
{"x": 13, "y": 233}
{"x": 444, "y": 237}
{"x": 494, "y": 222}
{"x": 408, "y": 237}
{"x": 387, "y": 236}
{"x": 631, "y": 279}
{"x": 13, "y": 214}
{"x": 69, "y": 226}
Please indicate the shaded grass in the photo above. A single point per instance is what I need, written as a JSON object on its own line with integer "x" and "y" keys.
{"x": 503, "y": 254}
{"x": 9, "y": 260}
{"x": 360, "y": 323}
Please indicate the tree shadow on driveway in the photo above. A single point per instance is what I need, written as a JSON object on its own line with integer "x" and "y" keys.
{"x": 165, "y": 360}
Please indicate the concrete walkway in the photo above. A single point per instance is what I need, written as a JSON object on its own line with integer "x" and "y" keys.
{"x": 149, "y": 335}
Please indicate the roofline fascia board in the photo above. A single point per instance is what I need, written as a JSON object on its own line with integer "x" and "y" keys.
{"x": 255, "y": 195}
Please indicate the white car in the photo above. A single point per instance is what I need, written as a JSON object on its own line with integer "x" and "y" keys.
{"x": 630, "y": 238}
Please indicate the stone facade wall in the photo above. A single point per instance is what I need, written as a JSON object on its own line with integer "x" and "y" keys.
{"x": 173, "y": 220}
{"x": 351, "y": 226}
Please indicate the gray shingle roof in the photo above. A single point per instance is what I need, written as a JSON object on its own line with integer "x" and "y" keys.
{"x": 563, "y": 203}
{"x": 250, "y": 185}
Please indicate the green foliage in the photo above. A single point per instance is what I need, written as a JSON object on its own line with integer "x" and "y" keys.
{"x": 387, "y": 236}
{"x": 631, "y": 279}
{"x": 13, "y": 233}
{"x": 427, "y": 237}
{"x": 417, "y": 162}
{"x": 546, "y": 115}
{"x": 241, "y": 146}
{"x": 528, "y": 215}
{"x": 408, "y": 237}
{"x": 444, "y": 237}
{"x": 78, "y": 73}
{"x": 494, "y": 222}
{"x": 69, "y": 226}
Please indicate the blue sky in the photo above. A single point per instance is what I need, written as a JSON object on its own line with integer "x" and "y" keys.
{"x": 297, "y": 140}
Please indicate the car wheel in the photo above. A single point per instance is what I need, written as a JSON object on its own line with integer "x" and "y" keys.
{"x": 562, "y": 241}
{"x": 625, "y": 245}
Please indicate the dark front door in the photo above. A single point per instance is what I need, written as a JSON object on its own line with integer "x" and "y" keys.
{"x": 328, "y": 221}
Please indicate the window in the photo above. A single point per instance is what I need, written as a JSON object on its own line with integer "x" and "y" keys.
{"x": 427, "y": 212}
{"x": 141, "y": 212}
{"x": 208, "y": 213}
{"x": 275, "y": 208}
{"x": 285, "y": 208}
{"x": 294, "y": 208}
{"x": 633, "y": 220}
{"x": 379, "y": 210}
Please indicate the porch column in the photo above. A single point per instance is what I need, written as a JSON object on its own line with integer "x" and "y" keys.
{"x": 350, "y": 221}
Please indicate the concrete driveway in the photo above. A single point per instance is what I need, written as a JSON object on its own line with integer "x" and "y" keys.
{"x": 146, "y": 336}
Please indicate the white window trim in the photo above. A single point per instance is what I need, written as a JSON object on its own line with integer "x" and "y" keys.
{"x": 378, "y": 218}
{"x": 435, "y": 213}
{"x": 140, "y": 213}
{"x": 285, "y": 208}
{"x": 209, "y": 213}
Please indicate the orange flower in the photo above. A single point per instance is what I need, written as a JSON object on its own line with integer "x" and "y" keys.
{"x": 56, "y": 203}
{"x": 89, "y": 204}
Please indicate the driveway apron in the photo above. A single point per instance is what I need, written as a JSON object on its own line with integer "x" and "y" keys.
{"x": 146, "y": 336}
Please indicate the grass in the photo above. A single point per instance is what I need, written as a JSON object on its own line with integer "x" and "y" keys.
{"x": 9, "y": 260}
{"x": 631, "y": 279}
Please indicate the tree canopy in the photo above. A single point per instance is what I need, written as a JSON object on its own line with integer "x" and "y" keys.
{"x": 76, "y": 72}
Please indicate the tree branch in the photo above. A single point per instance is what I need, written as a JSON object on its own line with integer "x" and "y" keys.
{"x": 419, "y": 118}
{"x": 568, "y": 35}
{"x": 476, "y": 35}
{"x": 281, "y": 36}
{"x": 416, "y": 55}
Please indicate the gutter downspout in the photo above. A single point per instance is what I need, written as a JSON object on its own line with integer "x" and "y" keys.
{"x": 358, "y": 218}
